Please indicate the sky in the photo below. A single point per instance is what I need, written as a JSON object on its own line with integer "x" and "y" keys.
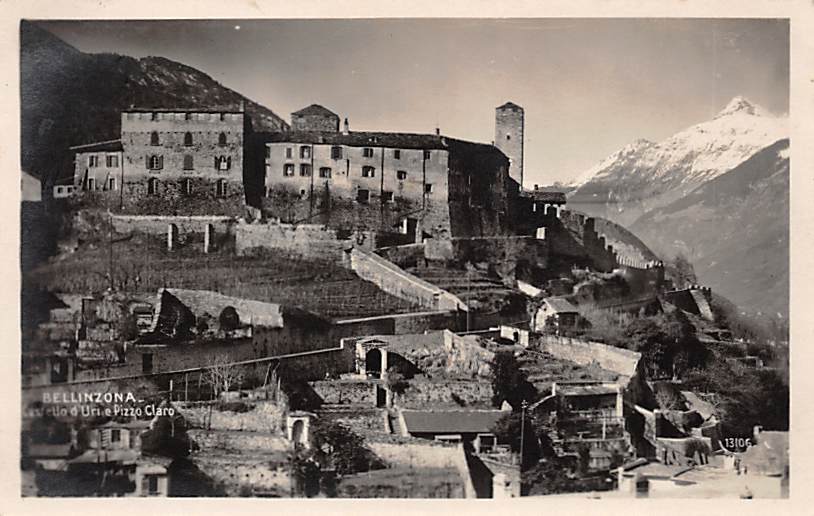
{"x": 588, "y": 86}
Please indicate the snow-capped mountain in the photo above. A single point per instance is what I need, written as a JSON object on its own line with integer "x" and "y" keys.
{"x": 645, "y": 175}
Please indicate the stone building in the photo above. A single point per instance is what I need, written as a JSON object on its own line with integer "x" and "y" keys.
{"x": 99, "y": 167}
{"x": 168, "y": 162}
{"x": 415, "y": 184}
{"x": 314, "y": 118}
{"x": 509, "y": 126}
{"x": 209, "y": 162}
{"x": 184, "y": 162}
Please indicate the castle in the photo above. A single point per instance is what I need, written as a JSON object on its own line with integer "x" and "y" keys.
{"x": 177, "y": 162}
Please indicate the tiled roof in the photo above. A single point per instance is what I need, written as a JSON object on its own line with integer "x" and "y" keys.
{"x": 373, "y": 139}
{"x": 560, "y": 305}
{"x": 451, "y": 422}
{"x": 585, "y": 390}
{"x": 315, "y": 109}
{"x": 49, "y": 450}
{"x": 106, "y": 146}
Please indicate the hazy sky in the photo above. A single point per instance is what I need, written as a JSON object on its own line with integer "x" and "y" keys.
{"x": 588, "y": 86}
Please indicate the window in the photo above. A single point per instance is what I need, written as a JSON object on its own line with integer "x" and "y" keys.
{"x": 187, "y": 116}
{"x": 111, "y": 161}
{"x": 153, "y": 116}
{"x": 154, "y": 138}
{"x": 188, "y": 165}
{"x": 115, "y": 435}
{"x": 401, "y": 175}
{"x": 188, "y": 139}
{"x": 289, "y": 153}
{"x": 367, "y": 152}
{"x": 508, "y": 137}
{"x": 427, "y": 154}
{"x": 288, "y": 169}
{"x": 428, "y": 188}
{"x": 266, "y": 191}
{"x": 222, "y": 141}
{"x": 186, "y": 186}
{"x": 268, "y": 152}
{"x": 155, "y": 162}
{"x": 220, "y": 190}
{"x": 336, "y": 152}
{"x": 368, "y": 172}
{"x": 223, "y": 163}
{"x": 152, "y": 186}
{"x": 305, "y": 152}
{"x": 93, "y": 160}
{"x": 363, "y": 196}
{"x": 397, "y": 154}
{"x": 305, "y": 170}
{"x": 222, "y": 117}
{"x": 324, "y": 172}
{"x": 387, "y": 196}
{"x": 91, "y": 184}
{"x": 111, "y": 183}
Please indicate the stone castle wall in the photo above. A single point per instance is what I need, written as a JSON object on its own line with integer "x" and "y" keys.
{"x": 395, "y": 281}
{"x": 621, "y": 361}
{"x": 308, "y": 240}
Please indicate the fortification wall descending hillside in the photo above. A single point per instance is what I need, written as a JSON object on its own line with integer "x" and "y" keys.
{"x": 398, "y": 282}
{"x": 695, "y": 299}
{"x": 308, "y": 240}
{"x": 594, "y": 245}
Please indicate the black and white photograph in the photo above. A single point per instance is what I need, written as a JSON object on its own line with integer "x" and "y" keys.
{"x": 404, "y": 257}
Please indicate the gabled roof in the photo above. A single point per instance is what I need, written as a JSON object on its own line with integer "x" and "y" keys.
{"x": 586, "y": 390}
{"x": 375, "y": 139}
{"x": 452, "y": 421}
{"x": 560, "y": 305}
{"x": 315, "y": 109}
{"x": 105, "y": 146}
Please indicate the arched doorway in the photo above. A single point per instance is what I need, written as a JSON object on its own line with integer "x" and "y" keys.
{"x": 373, "y": 363}
{"x": 298, "y": 431}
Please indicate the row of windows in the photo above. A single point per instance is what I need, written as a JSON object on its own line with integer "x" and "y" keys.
{"x": 363, "y": 195}
{"x": 189, "y": 141}
{"x": 325, "y": 172}
{"x": 221, "y": 187}
{"x": 111, "y": 161}
{"x": 187, "y": 116}
{"x": 336, "y": 152}
{"x": 91, "y": 185}
{"x": 156, "y": 162}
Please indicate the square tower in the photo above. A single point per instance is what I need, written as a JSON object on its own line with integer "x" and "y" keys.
{"x": 509, "y": 137}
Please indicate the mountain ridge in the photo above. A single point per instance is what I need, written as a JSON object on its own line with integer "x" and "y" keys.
{"x": 69, "y": 97}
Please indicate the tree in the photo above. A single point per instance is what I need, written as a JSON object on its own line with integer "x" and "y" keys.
{"x": 509, "y": 382}
{"x": 509, "y": 429}
{"x": 684, "y": 272}
{"x": 222, "y": 375}
{"x": 336, "y": 445}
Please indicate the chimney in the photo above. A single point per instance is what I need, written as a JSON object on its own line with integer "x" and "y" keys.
{"x": 346, "y": 127}
{"x": 438, "y": 131}
{"x": 536, "y": 187}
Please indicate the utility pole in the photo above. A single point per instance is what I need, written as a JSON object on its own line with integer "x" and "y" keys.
{"x": 522, "y": 430}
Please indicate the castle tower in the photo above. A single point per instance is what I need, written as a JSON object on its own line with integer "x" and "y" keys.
{"x": 509, "y": 137}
